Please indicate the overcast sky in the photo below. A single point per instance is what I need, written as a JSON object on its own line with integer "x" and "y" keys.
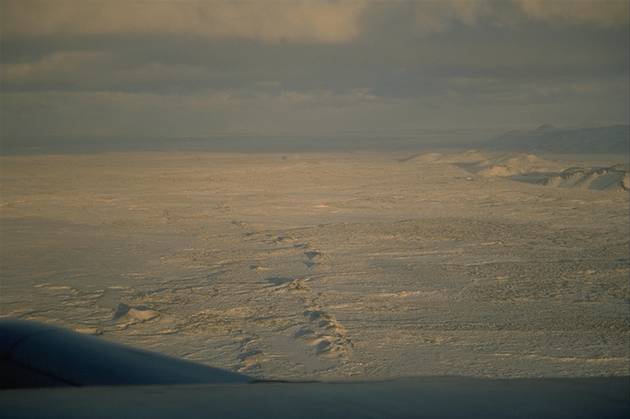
{"x": 198, "y": 68}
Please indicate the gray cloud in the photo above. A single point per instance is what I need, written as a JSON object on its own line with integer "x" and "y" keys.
{"x": 184, "y": 68}
{"x": 284, "y": 20}
{"x": 278, "y": 20}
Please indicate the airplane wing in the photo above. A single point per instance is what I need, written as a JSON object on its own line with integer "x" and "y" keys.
{"x": 38, "y": 355}
{"x": 49, "y": 372}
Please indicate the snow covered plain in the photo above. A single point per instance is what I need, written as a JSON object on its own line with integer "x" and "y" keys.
{"x": 328, "y": 265}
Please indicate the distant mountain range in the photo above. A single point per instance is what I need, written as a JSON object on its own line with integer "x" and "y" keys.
{"x": 610, "y": 139}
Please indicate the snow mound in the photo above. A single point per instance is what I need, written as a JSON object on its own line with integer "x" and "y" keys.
{"x": 594, "y": 178}
{"x": 429, "y": 157}
{"x": 469, "y": 156}
{"x": 423, "y": 158}
{"x": 511, "y": 165}
{"x": 125, "y": 313}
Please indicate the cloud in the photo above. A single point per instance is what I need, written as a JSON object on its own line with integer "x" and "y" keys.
{"x": 460, "y": 103}
{"x": 438, "y": 16}
{"x": 56, "y": 66}
{"x": 600, "y": 12}
{"x": 198, "y": 67}
{"x": 271, "y": 21}
{"x": 318, "y": 21}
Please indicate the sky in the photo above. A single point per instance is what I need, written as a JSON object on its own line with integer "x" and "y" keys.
{"x": 184, "y": 68}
